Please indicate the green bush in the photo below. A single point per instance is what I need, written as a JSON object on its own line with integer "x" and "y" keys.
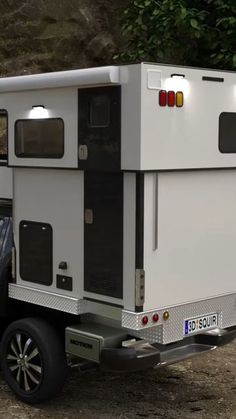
{"x": 186, "y": 32}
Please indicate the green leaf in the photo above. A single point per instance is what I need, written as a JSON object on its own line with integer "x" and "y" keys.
{"x": 187, "y": 32}
{"x": 194, "y": 23}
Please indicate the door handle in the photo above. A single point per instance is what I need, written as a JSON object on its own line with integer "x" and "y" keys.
{"x": 88, "y": 216}
{"x": 83, "y": 152}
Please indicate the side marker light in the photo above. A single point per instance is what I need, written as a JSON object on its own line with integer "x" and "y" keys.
{"x": 166, "y": 315}
{"x": 179, "y": 99}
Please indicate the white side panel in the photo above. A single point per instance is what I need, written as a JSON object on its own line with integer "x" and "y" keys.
{"x": 54, "y": 197}
{"x": 59, "y": 103}
{"x": 129, "y": 240}
{"x": 195, "y": 256}
{"x": 130, "y": 117}
{"x": 6, "y": 182}
{"x": 187, "y": 137}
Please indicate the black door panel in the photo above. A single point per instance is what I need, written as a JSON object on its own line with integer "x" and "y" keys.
{"x": 99, "y": 128}
{"x": 103, "y": 235}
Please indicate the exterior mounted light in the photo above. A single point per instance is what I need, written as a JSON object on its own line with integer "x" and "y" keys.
{"x": 38, "y": 112}
{"x": 39, "y": 107}
{"x": 181, "y": 76}
{"x": 178, "y": 83}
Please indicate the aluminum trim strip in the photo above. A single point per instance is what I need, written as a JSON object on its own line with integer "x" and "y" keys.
{"x": 46, "y": 299}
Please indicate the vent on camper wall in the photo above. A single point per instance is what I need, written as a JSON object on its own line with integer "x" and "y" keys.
{"x": 214, "y": 79}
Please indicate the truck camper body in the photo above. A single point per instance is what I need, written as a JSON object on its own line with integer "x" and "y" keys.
{"x": 117, "y": 219}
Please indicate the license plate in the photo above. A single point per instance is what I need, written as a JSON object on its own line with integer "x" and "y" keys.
{"x": 200, "y": 324}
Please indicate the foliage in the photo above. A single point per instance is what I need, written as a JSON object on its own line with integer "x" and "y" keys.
{"x": 187, "y": 32}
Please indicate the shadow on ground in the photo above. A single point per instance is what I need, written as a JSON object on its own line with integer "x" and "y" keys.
{"x": 204, "y": 387}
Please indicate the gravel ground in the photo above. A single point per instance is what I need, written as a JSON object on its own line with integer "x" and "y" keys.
{"x": 204, "y": 387}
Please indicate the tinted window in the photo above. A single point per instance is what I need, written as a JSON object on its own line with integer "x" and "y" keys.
{"x": 3, "y": 135}
{"x": 227, "y": 132}
{"x": 99, "y": 128}
{"x": 99, "y": 111}
{"x": 39, "y": 138}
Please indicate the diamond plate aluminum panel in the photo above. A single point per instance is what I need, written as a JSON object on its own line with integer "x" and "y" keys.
{"x": 151, "y": 334}
{"x": 173, "y": 328}
{"x": 46, "y": 299}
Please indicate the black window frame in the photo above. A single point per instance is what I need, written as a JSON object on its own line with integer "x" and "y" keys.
{"x": 39, "y": 156}
{"x": 4, "y": 157}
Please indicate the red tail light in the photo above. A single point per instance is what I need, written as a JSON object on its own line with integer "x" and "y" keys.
{"x": 155, "y": 318}
{"x": 171, "y": 98}
{"x": 163, "y": 98}
{"x": 145, "y": 320}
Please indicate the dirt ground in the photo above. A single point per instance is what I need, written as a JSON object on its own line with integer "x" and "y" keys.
{"x": 204, "y": 387}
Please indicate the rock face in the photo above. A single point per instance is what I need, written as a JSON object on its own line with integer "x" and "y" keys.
{"x": 50, "y": 35}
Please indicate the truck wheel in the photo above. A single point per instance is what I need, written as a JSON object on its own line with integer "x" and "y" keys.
{"x": 33, "y": 360}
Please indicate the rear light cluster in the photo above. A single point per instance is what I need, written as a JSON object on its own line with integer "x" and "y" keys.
{"x": 171, "y": 98}
{"x": 155, "y": 319}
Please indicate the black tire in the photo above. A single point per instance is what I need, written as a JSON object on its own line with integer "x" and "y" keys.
{"x": 31, "y": 348}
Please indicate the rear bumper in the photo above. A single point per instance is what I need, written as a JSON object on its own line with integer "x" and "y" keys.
{"x": 218, "y": 337}
{"x": 141, "y": 355}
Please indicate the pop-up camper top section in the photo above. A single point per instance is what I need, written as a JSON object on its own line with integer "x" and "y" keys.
{"x": 140, "y": 117}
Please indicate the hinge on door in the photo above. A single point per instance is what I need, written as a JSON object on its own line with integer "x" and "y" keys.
{"x": 139, "y": 287}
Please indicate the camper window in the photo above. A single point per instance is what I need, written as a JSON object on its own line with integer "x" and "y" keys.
{"x": 99, "y": 111}
{"x": 39, "y": 138}
{"x": 227, "y": 132}
{"x": 3, "y": 135}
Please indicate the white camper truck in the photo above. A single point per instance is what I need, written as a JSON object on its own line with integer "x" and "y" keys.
{"x": 118, "y": 220}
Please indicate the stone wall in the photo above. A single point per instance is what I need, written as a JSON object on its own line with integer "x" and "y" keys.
{"x": 50, "y": 35}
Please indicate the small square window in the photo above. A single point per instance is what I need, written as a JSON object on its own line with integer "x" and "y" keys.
{"x": 227, "y": 132}
{"x": 99, "y": 111}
